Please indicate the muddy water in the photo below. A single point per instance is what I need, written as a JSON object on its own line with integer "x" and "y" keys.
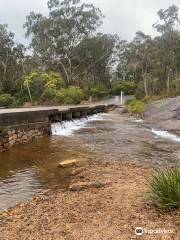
{"x": 32, "y": 169}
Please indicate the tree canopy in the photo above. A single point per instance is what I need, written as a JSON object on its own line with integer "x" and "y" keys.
{"x": 67, "y": 55}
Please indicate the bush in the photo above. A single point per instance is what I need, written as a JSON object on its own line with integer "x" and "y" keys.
{"x": 99, "y": 91}
{"x": 41, "y": 83}
{"x": 49, "y": 94}
{"x": 60, "y": 96}
{"x": 176, "y": 87}
{"x": 128, "y": 87}
{"x": 6, "y": 100}
{"x": 165, "y": 188}
{"x": 140, "y": 91}
{"x": 136, "y": 107}
{"x": 71, "y": 95}
{"x": 151, "y": 99}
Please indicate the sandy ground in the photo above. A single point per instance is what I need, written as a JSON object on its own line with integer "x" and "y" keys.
{"x": 106, "y": 200}
{"x": 110, "y": 208}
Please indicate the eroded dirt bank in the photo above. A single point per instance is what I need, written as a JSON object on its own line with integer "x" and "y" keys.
{"x": 108, "y": 197}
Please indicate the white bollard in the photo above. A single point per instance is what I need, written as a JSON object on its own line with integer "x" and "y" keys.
{"x": 122, "y": 95}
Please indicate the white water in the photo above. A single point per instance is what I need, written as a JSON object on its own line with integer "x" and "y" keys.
{"x": 67, "y": 128}
{"x": 166, "y": 135}
{"x": 138, "y": 121}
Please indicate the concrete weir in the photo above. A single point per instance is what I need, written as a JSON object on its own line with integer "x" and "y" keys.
{"x": 21, "y": 125}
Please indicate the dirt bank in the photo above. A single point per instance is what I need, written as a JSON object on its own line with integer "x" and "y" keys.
{"x": 107, "y": 199}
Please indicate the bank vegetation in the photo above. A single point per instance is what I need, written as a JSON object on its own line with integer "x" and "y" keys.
{"x": 68, "y": 59}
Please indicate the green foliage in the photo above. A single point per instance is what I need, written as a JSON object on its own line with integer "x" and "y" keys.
{"x": 54, "y": 80}
{"x": 140, "y": 91}
{"x": 128, "y": 87}
{"x": 71, "y": 95}
{"x": 99, "y": 91}
{"x": 43, "y": 85}
{"x": 6, "y": 100}
{"x": 154, "y": 86}
{"x": 136, "y": 107}
{"x": 151, "y": 99}
{"x": 66, "y": 41}
{"x": 49, "y": 94}
{"x": 165, "y": 188}
{"x": 176, "y": 87}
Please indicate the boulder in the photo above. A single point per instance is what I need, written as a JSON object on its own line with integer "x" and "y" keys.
{"x": 68, "y": 163}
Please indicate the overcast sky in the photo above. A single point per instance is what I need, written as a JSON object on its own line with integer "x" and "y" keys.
{"x": 124, "y": 17}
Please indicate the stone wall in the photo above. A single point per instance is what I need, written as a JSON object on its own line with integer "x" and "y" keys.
{"x": 21, "y": 135}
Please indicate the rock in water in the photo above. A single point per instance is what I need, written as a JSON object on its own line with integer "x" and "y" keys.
{"x": 68, "y": 163}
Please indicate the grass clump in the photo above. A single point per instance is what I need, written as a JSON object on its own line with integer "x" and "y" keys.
{"x": 165, "y": 188}
{"x": 136, "y": 107}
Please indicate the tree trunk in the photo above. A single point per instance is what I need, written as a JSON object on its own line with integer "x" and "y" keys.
{"x": 145, "y": 81}
{"x": 168, "y": 81}
{"x": 124, "y": 75}
{"x": 65, "y": 71}
{"x": 27, "y": 84}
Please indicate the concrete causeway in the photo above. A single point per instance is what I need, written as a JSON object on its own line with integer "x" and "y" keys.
{"x": 21, "y": 125}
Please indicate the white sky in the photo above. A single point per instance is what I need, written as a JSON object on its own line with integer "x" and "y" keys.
{"x": 124, "y": 17}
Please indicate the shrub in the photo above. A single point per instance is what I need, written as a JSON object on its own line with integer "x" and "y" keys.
{"x": 176, "y": 87}
{"x": 6, "y": 100}
{"x": 140, "y": 91}
{"x": 136, "y": 106}
{"x": 49, "y": 94}
{"x": 165, "y": 188}
{"x": 128, "y": 87}
{"x": 99, "y": 91}
{"x": 60, "y": 96}
{"x": 151, "y": 99}
{"x": 39, "y": 82}
{"x": 71, "y": 95}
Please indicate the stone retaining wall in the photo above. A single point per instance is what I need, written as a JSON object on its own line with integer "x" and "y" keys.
{"x": 15, "y": 136}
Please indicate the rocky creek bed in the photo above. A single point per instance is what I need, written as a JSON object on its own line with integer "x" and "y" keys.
{"x": 106, "y": 198}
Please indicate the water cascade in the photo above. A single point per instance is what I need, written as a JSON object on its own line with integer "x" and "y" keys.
{"x": 67, "y": 128}
{"x": 166, "y": 135}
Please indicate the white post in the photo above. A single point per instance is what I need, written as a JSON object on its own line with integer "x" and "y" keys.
{"x": 122, "y": 97}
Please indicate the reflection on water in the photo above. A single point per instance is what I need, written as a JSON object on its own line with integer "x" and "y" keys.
{"x": 29, "y": 169}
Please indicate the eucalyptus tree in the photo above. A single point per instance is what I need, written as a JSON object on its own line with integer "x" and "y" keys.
{"x": 95, "y": 58}
{"x": 55, "y": 38}
{"x": 123, "y": 59}
{"x": 141, "y": 49}
{"x": 167, "y": 26}
{"x": 6, "y": 52}
{"x": 10, "y": 58}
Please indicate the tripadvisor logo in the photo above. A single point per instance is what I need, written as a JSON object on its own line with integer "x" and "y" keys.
{"x": 139, "y": 231}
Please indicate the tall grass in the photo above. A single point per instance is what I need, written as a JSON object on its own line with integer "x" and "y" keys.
{"x": 136, "y": 107}
{"x": 164, "y": 188}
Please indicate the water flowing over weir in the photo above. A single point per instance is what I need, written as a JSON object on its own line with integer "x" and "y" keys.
{"x": 66, "y": 128}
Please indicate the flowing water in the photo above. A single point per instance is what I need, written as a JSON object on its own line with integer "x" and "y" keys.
{"x": 33, "y": 169}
